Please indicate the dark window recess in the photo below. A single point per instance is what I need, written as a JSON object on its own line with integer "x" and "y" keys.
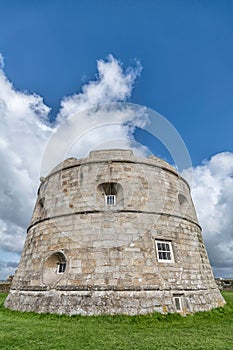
{"x": 41, "y": 202}
{"x": 61, "y": 266}
{"x": 165, "y": 255}
{"x": 178, "y": 304}
{"x": 182, "y": 199}
{"x": 110, "y": 188}
{"x": 112, "y": 193}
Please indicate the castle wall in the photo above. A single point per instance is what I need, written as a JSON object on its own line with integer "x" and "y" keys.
{"x": 111, "y": 252}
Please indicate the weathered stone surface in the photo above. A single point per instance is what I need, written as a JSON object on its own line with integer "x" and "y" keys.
{"x": 110, "y": 252}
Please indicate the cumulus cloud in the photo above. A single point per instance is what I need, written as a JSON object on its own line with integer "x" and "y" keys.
{"x": 212, "y": 190}
{"x": 112, "y": 84}
{"x": 88, "y": 120}
{"x": 106, "y": 126}
{"x": 26, "y": 129}
{"x": 7, "y": 268}
{"x": 23, "y": 135}
{"x": 97, "y": 116}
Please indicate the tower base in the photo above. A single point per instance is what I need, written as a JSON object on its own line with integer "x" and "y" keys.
{"x": 92, "y": 302}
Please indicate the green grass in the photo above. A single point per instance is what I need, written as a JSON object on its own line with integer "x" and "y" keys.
{"x": 204, "y": 330}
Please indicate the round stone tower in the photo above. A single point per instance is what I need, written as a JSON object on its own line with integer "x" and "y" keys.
{"x": 114, "y": 234}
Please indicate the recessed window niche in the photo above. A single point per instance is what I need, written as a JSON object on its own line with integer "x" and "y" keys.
{"x": 54, "y": 266}
{"x": 110, "y": 193}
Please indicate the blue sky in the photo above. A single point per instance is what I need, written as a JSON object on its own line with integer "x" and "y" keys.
{"x": 185, "y": 48}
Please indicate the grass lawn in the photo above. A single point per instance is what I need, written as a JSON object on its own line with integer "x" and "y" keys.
{"x": 205, "y": 330}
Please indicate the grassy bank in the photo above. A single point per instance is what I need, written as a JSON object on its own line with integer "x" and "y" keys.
{"x": 207, "y": 330}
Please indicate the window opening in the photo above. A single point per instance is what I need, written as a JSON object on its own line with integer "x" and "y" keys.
{"x": 182, "y": 199}
{"x": 178, "y": 303}
{"x": 111, "y": 192}
{"x": 41, "y": 202}
{"x": 110, "y": 199}
{"x": 164, "y": 251}
{"x": 61, "y": 266}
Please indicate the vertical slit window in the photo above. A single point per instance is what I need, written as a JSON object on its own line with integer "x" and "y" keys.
{"x": 178, "y": 303}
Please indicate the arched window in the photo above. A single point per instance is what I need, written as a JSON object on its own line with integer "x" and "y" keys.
{"x": 56, "y": 263}
{"x": 182, "y": 199}
{"x": 112, "y": 192}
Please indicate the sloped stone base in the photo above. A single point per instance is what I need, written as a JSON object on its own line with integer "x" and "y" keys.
{"x": 113, "y": 302}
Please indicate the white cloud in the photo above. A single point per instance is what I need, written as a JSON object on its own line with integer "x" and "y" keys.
{"x": 107, "y": 126}
{"x": 112, "y": 84}
{"x": 212, "y": 191}
{"x": 25, "y": 131}
{"x": 7, "y": 268}
{"x": 23, "y": 135}
{"x": 1, "y": 61}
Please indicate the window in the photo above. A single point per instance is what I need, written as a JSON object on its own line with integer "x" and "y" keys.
{"x": 110, "y": 193}
{"x": 178, "y": 303}
{"x": 164, "y": 251}
{"x": 61, "y": 266}
{"x": 41, "y": 202}
{"x": 54, "y": 267}
{"x": 110, "y": 200}
{"x": 182, "y": 199}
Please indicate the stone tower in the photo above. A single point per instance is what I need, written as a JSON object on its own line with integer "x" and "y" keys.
{"x": 114, "y": 234}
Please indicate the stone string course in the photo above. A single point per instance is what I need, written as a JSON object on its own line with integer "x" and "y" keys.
{"x": 110, "y": 251}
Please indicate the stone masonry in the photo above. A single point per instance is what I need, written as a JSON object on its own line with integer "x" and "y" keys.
{"x": 114, "y": 234}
